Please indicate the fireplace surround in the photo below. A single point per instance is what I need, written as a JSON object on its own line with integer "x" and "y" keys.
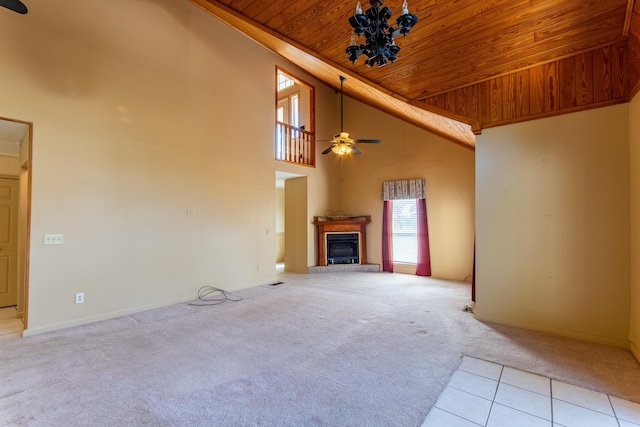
{"x": 342, "y": 240}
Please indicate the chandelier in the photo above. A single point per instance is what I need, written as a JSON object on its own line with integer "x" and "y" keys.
{"x": 380, "y": 45}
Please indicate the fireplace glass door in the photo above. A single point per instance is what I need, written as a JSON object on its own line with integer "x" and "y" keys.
{"x": 343, "y": 248}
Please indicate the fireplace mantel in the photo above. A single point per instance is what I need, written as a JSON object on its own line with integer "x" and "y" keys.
{"x": 340, "y": 225}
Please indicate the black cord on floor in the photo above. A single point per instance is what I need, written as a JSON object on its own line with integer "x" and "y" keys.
{"x": 206, "y": 295}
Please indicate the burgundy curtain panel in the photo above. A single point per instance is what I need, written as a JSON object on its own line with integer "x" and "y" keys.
{"x": 424, "y": 257}
{"x": 387, "y": 246}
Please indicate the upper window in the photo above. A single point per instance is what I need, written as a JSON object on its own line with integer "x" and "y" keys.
{"x": 294, "y": 101}
{"x": 284, "y": 81}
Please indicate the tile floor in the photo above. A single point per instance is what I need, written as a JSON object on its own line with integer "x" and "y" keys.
{"x": 486, "y": 394}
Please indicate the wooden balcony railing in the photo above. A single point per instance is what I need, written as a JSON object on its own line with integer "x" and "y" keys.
{"x": 295, "y": 145}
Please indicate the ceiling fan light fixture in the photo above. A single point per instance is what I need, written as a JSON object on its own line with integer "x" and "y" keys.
{"x": 342, "y": 149}
{"x": 379, "y": 46}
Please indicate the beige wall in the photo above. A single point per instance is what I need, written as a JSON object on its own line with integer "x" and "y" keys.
{"x": 319, "y": 185}
{"x": 634, "y": 139}
{"x": 280, "y": 221}
{"x": 296, "y": 225}
{"x": 139, "y": 114}
{"x": 407, "y": 152}
{"x": 553, "y": 225}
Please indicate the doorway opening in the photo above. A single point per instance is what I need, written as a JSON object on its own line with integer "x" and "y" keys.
{"x": 15, "y": 208}
{"x": 291, "y": 223}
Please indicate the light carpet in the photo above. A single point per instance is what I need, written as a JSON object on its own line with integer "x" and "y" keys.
{"x": 338, "y": 349}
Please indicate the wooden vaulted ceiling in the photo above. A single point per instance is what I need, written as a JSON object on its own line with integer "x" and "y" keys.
{"x": 467, "y": 64}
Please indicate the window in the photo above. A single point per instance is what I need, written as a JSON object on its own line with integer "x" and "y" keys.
{"x": 281, "y": 113}
{"x": 294, "y": 101}
{"x": 405, "y": 231}
{"x": 283, "y": 108}
{"x": 284, "y": 81}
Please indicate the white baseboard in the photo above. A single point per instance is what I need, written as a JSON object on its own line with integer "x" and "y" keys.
{"x": 114, "y": 314}
{"x": 105, "y": 316}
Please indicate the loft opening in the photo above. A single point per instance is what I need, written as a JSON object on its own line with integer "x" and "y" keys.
{"x": 295, "y": 119}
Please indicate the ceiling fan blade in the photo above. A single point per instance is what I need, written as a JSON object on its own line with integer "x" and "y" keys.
{"x": 15, "y": 5}
{"x": 328, "y": 150}
{"x": 355, "y": 151}
{"x": 368, "y": 141}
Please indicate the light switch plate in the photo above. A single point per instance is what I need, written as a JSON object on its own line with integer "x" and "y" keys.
{"x": 54, "y": 239}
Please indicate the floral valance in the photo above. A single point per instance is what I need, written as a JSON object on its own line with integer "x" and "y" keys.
{"x": 404, "y": 189}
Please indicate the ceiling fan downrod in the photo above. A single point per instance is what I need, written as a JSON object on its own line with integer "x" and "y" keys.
{"x": 342, "y": 79}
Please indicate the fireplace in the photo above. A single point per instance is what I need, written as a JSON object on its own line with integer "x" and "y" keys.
{"x": 342, "y": 240}
{"x": 342, "y": 248}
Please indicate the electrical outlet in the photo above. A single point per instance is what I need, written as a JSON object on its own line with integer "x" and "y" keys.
{"x": 80, "y": 298}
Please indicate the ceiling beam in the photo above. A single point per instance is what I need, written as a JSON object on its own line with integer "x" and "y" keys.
{"x": 329, "y": 73}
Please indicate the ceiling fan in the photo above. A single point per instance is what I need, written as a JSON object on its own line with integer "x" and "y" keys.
{"x": 342, "y": 143}
{"x": 15, "y": 5}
